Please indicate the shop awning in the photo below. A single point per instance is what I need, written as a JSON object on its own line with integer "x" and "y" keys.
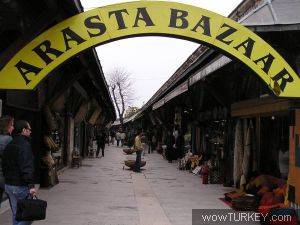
{"x": 152, "y": 119}
{"x": 177, "y": 91}
{"x": 158, "y": 104}
{"x": 116, "y": 123}
{"x": 210, "y": 68}
{"x": 273, "y": 13}
{"x": 129, "y": 119}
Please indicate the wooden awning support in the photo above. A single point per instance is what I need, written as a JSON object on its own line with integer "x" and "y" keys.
{"x": 262, "y": 106}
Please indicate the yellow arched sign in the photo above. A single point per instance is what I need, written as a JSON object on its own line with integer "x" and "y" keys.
{"x": 101, "y": 25}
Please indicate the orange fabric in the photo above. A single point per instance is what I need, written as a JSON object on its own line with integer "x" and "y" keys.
{"x": 268, "y": 199}
{"x": 264, "y": 209}
{"x": 263, "y": 190}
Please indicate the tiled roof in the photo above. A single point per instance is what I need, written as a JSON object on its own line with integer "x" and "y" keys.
{"x": 274, "y": 12}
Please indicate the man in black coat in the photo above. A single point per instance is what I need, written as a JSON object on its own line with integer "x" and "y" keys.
{"x": 18, "y": 168}
{"x": 101, "y": 137}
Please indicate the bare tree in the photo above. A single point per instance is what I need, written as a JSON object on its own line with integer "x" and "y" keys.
{"x": 121, "y": 90}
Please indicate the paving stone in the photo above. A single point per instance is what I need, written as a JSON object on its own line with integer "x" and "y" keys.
{"x": 102, "y": 193}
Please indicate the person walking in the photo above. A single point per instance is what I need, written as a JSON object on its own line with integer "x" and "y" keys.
{"x": 138, "y": 149}
{"x": 18, "y": 168}
{"x": 122, "y": 136}
{"x": 112, "y": 137}
{"x": 149, "y": 141}
{"x": 118, "y": 137}
{"x": 101, "y": 138}
{"x": 153, "y": 143}
{"x": 170, "y": 141}
{"x": 6, "y": 128}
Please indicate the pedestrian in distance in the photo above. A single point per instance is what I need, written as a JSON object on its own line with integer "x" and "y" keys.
{"x": 118, "y": 137}
{"x": 149, "y": 142}
{"x": 112, "y": 137}
{"x": 6, "y": 128}
{"x": 122, "y": 136}
{"x": 18, "y": 168}
{"x": 108, "y": 138}
{"x": 101, "y": 138}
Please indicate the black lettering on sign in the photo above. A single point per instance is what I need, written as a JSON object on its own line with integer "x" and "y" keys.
{"x": 221, "y": 37}
{"x": 25, "y": 68}
{"x": 285, "y": 78}
{"x": 203, "y": 23}
{"x": 94, "y": 23}
{"x": 143, "y": 15}
{"x": 43, "y": 49}
{"x": 178, "y": 15}
{"x": 248, "y": 47}
{"x": 267, "y": 62}
{"x": 69, "y": 35}
{"x": 119, "y": 17}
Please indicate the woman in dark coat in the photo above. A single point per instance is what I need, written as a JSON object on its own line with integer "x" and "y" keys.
{"x": 6, "y": 128}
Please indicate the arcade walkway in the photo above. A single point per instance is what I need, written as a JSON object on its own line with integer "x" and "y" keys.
{"x": 102, "y": 193}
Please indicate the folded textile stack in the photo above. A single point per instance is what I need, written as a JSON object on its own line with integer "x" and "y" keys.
{"x": 245, "y": 203}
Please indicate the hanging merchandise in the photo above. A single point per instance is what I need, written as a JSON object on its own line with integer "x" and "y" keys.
{"x": 205, "y": 173}
{"x": 50, "y": 119}
{"x": 48, "y": 161}
{"x": 177, "y": 119}
{"x": 247, "y": 154}
{"x": 214, "y": 171}
{"x": 50, "y": 144}
{"x": 238, "y": 152}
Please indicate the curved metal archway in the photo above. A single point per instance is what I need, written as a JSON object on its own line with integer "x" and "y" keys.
{"x": 147, "y": 18}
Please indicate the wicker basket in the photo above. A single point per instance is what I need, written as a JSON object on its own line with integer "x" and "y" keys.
{"x": 130, "y": 163}
{"x": 128, "y": 151}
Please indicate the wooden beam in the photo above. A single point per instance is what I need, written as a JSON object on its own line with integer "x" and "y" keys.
{"x": 60, "y": 89}
{"x": 262, "y": 106}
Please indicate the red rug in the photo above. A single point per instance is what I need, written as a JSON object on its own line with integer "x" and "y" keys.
{"x": 226, "y": 202}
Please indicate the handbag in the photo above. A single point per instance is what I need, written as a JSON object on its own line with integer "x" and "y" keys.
{"x": 30, "y": 209}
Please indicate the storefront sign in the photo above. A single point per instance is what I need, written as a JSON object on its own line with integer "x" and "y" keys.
{"x": 147, "y": 18}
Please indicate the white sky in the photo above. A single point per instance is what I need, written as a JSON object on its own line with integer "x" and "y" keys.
{"x": 151, "y": 60}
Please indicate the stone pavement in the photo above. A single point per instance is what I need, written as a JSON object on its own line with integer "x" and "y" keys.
{"x": 102, "y": 193}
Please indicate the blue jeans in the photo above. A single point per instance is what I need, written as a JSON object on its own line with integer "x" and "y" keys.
{"x": 14, "y": 193}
